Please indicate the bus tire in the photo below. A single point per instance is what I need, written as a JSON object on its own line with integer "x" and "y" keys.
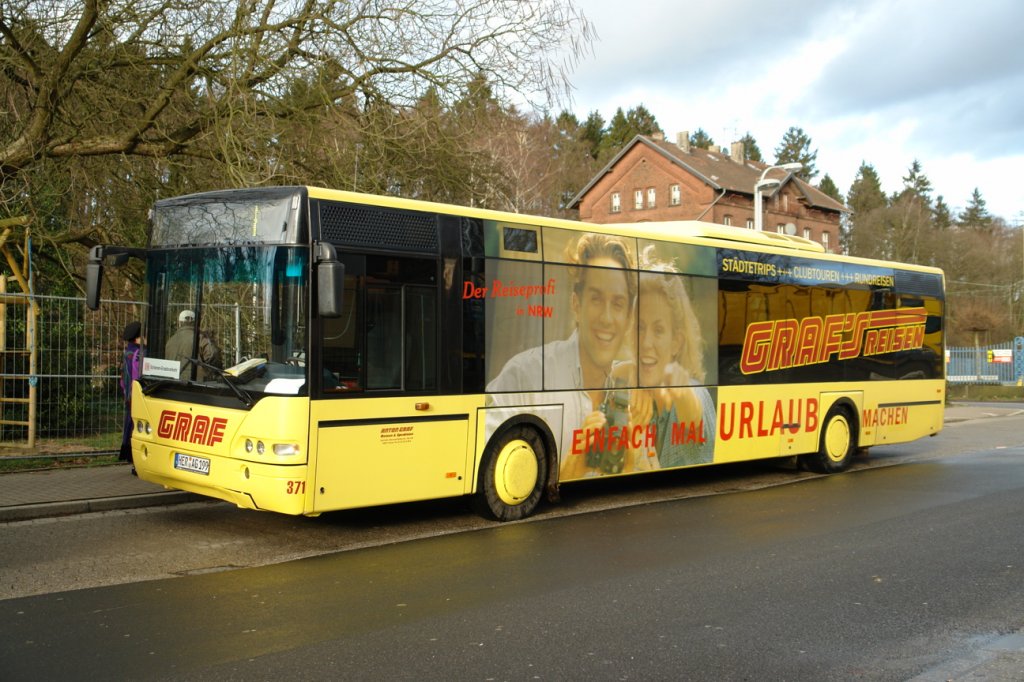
{"x": 513, "y": 473}
{"x": 837, "y": 444}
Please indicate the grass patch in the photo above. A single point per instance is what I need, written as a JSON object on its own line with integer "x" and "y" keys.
{"x": 14, "y": 463}
{"x": 60, "y": 453}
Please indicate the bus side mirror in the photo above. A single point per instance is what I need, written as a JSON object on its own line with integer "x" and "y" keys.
{"x": 94, "y": 268}
{"x": 330, "y": 281}
{"x": 94, "y": 277}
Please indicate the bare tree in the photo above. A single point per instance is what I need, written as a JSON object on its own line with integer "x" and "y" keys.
{"x": 224, "y": 82}
{"x": 983, "y": 271}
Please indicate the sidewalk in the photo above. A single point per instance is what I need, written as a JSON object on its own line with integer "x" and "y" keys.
{"x": 59, "y": 492}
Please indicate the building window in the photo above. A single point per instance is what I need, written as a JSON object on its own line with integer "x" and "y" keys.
{"x": 781, "y": 228}
{"x": 785, "y": 203}
{"x": 616, "y": 202}
{"x": 651, "y": 203}
{"x": 750, "y": 223}
{"x": 638, "y": 199}
{"x": 675, "y": 196}
{"x": 824, "y": 240}
{"x": 727, "y": 220}
{"x": 807, "y": 233}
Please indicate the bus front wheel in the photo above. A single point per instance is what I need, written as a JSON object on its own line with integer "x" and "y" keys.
{"x": 837, "y": 444}
{"x": 512, "y": 475}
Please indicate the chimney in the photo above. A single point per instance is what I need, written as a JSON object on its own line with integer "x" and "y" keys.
{"x": 683, "y": 140}
{"x": 736, "y": 152}
{"x": 658, "y": 136}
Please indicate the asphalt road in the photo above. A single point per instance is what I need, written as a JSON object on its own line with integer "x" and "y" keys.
{"x": 883, "y": 573}
{"x": 89, "y": 550}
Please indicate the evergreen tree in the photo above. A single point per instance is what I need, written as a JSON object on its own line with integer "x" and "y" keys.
{"x": 796, "y": 146}
{"x": 828, "y": 186}
{"x": 909, "y": 220}
{"x": 573, "y": 165}
{"x": 975, "y": 217}
{"x": 592, "y": 133}
{"x": 568, "y": 124}
{"x": 624, "y": 126}
{"x": 701, "y": 140}
{"x": 616, "y": 135}
{"x": 863, "y": 232}
{"x": 751, "y": 151}
{"x": 866, "y": 191}
{"x": 917, "y": 183}
{"x": 942, "y": 217}
{"x": 569, "y": 134}
{"x": 641, "y": 120}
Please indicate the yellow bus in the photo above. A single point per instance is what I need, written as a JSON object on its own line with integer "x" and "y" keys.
{"x": 311, "y": 350}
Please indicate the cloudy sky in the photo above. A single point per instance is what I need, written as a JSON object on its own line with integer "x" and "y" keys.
{"x": 881, "y": 81}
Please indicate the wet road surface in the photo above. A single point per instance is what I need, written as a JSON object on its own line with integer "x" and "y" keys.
{"x": 877, "y": 574}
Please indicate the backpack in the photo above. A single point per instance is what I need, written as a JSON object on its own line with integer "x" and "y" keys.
{"x": 129, "y": 362}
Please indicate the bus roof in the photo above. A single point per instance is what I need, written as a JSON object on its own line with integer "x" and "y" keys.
{"x": 696, "y": 228}
{"x": 710, "y": 234}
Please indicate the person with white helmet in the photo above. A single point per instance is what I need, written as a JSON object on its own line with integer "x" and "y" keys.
{"x": 181, "y": 347}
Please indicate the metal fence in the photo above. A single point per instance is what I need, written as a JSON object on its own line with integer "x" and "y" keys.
{"x": 78, "y": 405}
{"x": 1001, "y": 363}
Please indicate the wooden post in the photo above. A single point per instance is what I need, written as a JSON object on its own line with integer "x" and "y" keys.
{"x": 23, "y": 275}
{"x": 32, "y": 337}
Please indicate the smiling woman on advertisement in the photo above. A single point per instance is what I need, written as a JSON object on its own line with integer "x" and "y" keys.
{"x": 670, "y": 360}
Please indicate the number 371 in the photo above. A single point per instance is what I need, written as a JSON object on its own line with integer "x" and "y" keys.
{"x": 296, "y": 488}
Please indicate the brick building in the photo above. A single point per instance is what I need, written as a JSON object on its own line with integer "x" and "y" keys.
{"x": 654, "y": 180}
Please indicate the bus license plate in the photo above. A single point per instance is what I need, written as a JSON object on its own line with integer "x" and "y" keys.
{"x": 197, "y": 465}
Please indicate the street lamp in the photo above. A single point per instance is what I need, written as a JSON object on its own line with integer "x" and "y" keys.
{"x": 763, "y": 183}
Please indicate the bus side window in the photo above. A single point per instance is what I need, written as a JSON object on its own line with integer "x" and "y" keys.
{"x": 420, "y": 338}
{"x": 401, "y": 338}
{"x": 384, "y": 338}
{"x": 387, "y": 336}
{"x": 401, "y": 324}
{"x": 341, "y": 346}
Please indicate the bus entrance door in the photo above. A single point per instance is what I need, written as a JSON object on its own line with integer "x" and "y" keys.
{"x": 399, "y": 451}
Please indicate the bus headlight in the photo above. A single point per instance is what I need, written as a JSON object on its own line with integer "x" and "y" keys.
{"x": 279, "y": 449}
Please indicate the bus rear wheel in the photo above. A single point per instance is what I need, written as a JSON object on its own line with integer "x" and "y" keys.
{"x": 837, "y": 444}
{"x": 512, "y": 475}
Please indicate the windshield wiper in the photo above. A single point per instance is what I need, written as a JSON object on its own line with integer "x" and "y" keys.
{"x": 240, "y": 392}
{"x": 155, "y": 384}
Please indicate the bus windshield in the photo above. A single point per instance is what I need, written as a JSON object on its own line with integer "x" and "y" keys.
{"x": 267, "y": 215}
{"x": 230, "y": 317}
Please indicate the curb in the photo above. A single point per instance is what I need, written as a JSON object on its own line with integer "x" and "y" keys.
{"x": 27, "y": 512}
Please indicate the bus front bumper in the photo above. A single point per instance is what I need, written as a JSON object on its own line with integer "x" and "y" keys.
{"x": 249, "y": 485}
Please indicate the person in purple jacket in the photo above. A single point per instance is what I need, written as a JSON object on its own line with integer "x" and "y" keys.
{"x": 131, "y": 367}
